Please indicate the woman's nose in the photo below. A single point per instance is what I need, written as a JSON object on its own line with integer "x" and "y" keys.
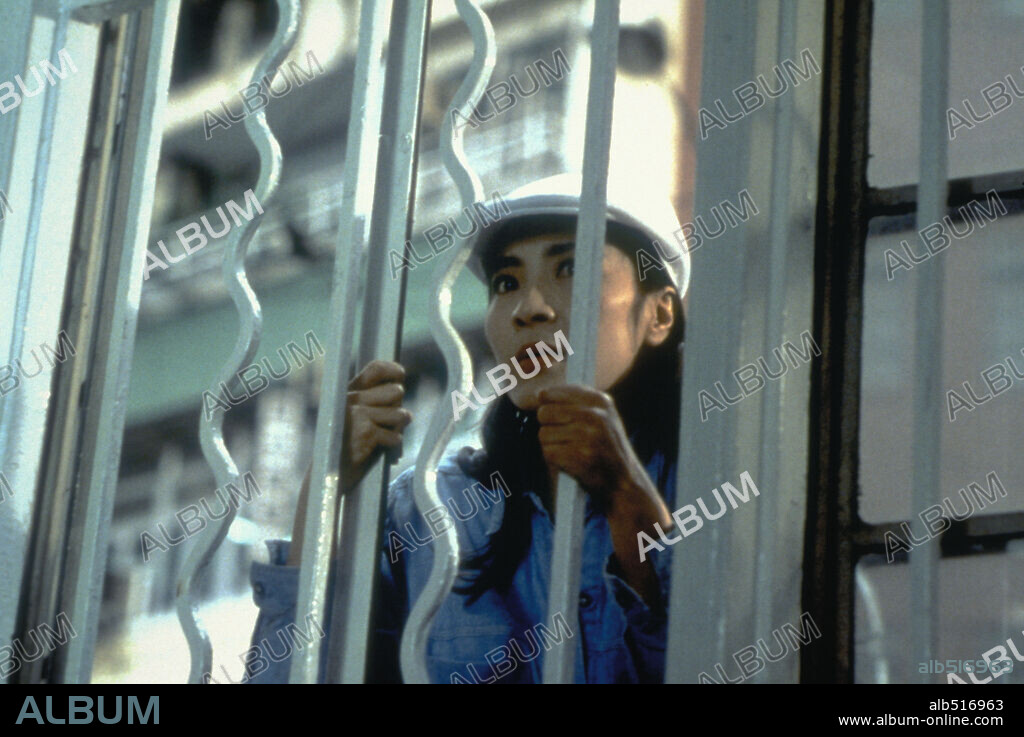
{"x": 533, "y": 307}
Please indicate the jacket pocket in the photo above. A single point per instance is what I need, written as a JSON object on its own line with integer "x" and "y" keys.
{"x": 485, "y": 655}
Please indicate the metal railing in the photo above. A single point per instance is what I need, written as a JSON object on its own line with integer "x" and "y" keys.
{"x": 928, "y": 414}
{"x": 567, "y": 550}
{"x": 363, "y": 184}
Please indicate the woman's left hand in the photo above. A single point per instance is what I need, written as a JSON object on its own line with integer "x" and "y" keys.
{"x": 581, "y": 434}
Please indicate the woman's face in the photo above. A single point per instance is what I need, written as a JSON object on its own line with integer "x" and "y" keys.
{"x": 530, "y": 301}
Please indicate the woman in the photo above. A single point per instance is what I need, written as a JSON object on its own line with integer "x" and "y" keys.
{"x": 618, "y": 440}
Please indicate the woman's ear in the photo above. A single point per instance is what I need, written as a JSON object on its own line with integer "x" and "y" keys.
{"x": 661, "y": 316}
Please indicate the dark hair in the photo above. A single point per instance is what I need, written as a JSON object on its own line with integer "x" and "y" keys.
{"x": 647, "y": 399}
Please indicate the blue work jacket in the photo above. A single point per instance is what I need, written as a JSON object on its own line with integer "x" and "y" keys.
{"x": 502, "y": 636}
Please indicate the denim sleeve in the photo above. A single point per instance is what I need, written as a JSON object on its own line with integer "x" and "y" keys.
{"x": 646, "y": 625}
{"x": 275, "y": 591}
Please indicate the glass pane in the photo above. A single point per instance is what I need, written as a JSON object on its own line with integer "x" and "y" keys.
{"x": 980, "y": 35}
{"x": 982, "y": 329}
{"x": 981, "y": 606}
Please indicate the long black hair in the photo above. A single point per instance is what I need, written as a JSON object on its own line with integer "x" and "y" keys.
{"x": 647, "y": 399}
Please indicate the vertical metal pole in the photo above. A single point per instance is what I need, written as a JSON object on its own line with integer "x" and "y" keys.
{"x": 63, "y": 442}
{"x": 698, "y": 612}
{"x": 16, "y": 20}
{"x": 111, "y": 361}
{"x": 928, "y": 405}
{"x": 10, "y": 409}
{"x": 767, "y": 508}
{"x": 349, "y": 270}
{"x": 359, "y": 543}
{"x": 751, "y": 555}
{"x": 842, "y": 219}
{"x": 566, "y": 556}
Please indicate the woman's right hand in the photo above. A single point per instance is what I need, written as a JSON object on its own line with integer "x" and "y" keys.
{"x": 374, "y": 421}
{"x": 375, "y": 418}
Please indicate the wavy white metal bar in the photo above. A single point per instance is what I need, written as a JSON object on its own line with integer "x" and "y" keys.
{"x": 413, "y": 651}
{"x": 358, "y": 547}
{"x": 361, "y": 151}
{"x": 566, "y": 556}
{"x": 211, "y": 437}
{"x": 928, "y": 408}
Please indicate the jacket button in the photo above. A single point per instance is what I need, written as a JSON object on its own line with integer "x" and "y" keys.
{"x": 586, "y": 600}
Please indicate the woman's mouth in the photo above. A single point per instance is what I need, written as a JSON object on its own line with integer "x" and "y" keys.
{"x": 526, "y": 358}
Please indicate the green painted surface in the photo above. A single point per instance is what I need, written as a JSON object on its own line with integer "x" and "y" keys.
{"x": 175, "y": 361}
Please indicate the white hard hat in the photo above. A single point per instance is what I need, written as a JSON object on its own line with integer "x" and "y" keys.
{"x": 653, "y": 218}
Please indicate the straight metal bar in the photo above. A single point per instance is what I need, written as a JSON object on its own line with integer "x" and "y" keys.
{"x": 250, "y": 330}
{"x": 359, "y": 184}
{"x": 707, "y": 449}
{"x": 16, "y": 20}
{"x": 903, "y": 199}
{"x": 840, "y": 237}
{"x": 112, "y": 357}
{"x": 11, "y": 409}
{"x": 413, "y": 648}
{"x": 767, "y": 509}
{"x": 928, "y": 406}
{"x": 18, "y": 238}
{"x": 990, "y": 531}
{"x": 359, "y": 543}
{"x": 62, "y": 444}
{"x": 570, "y": 504}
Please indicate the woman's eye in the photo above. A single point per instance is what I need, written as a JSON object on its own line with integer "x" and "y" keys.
{"x": 566, "y": 268}
{"x": 503, "y": 283}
